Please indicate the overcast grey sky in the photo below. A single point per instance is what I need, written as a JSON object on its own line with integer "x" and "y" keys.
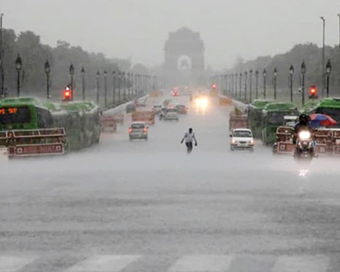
{"x": 137, "y": 29}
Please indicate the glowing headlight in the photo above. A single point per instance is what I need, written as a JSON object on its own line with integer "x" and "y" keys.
{"x": 251, "y": 142}
{"x": 233, "y": 141}
{"x": 305, "y": 135}
{"x": 204, "y": 102}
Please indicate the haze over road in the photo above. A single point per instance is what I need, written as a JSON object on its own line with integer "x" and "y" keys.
{"x": 148, "y": 206}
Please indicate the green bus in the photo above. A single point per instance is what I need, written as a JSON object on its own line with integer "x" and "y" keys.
{"x": 255, "y": 116}
{"x": 81, "y": 120}
{"x": 273, "y": 117}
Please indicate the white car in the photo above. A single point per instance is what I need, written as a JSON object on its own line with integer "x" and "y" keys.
{"x": 241, "y": 138}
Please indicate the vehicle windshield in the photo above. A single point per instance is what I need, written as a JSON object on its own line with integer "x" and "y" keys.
{"x": 15, "y": 115}
{"x": 138, "y": 126}
{"x": 277, "y": 118}
{"x": 242, "y": 134}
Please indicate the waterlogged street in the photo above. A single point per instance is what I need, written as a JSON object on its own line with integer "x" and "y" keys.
{"x": 147, "y": 206}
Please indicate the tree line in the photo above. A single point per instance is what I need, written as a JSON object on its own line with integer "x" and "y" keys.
{"x": 309, "y": 53}
{"x": 34, "y": 54}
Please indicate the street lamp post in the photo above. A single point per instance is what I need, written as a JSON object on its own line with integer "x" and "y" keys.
{"x": 264, "y": 83}
{"x": 1, "y": 60}
{"x": 98, "y": 78}
{"x": 124, "y": 86}
{"x": 275, "y": 82}
{"x": 105, "y": 89}
{"x": 240, "y": 85}
{"x": 82, "y": 71}
{"x": 119, "y": 85}
{"x": 134, "y": 90}
{"x": 303, "y": 73}
{"x": 250, "y": 86}
{"x": 71, "y": 71}
{"x": 113, "y": 88}
{"x": 47, "y": 71}
{"x": 245, "y": 86}
{"x": 291, "y": 72}
{"x": 323, "y": 54}
{"x": 236, "y": 82}
{"x": 328, "y": 73}
{"x": 257, "y": 84}
{"x": 137, "y": 83}
{"x": 130, "y": 86}
{"x": 225, "y": 85}
{"x": 18, "y": 66}
{"x": 232, "y": 84}
{"x": 339, "y": 53}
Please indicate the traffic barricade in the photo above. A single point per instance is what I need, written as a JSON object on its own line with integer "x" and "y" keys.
{"x": 108, "y": 123}
{"x": 36, "y": 142}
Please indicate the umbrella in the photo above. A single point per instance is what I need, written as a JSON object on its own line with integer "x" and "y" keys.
{"x": 322, "y": 120}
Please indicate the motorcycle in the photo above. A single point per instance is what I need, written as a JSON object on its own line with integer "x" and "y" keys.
{"x": 304, "y": 148}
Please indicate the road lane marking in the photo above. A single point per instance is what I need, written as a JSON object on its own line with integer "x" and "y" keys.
{"x": 202, "y": 263}
{"x": 301, "y": 264}
{"x": 14, "y": 263}
{"x": 104, "y": 263}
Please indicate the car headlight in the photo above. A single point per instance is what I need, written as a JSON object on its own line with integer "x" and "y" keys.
{"x": 251, "y": 142}
{"x": 233, "y": 141}
{"x": 305, "y": 135}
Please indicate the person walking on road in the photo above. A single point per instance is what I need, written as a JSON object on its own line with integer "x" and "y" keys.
{"x": 189, "y": 138}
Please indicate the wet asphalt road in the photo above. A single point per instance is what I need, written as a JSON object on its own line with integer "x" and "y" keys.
{"x": 149, "y": 207}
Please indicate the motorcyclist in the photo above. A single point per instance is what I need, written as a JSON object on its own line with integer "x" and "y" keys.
{"x": 189, "y": 138}
{"x": 303, "y": 125}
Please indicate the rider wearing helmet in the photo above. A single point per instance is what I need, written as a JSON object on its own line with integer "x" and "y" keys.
{"x": 303, "y": 124}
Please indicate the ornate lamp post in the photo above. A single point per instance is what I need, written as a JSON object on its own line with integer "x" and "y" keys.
{"x": 264, "y": 73}
{"x": 275, "y": 82}
{"x": 303, "y": 73}
{"x": 124, "y": 86}
{"x": 71, "y": 71}
{"x": 47, "y": 71}
{"x": 98, "y": 78}
{"x": 245, "y": 87}
{"x": 18, "y": 66}
{"x": 119, "y": 86}
{"x": 328, "y": 73}
{"x": 105, "y": 89}
{"x": 82, "y": 71}
{"x": 114, "y": 88}
{"x": 257, "y": 84}
{"x": 240, "y": 84}
{"x": 250, "y": 86}
{"x": 291, "y": 73}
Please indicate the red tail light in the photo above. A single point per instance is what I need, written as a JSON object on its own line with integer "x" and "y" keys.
{"x": 145, "y": 129}
{"x": 130, "y": 130}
